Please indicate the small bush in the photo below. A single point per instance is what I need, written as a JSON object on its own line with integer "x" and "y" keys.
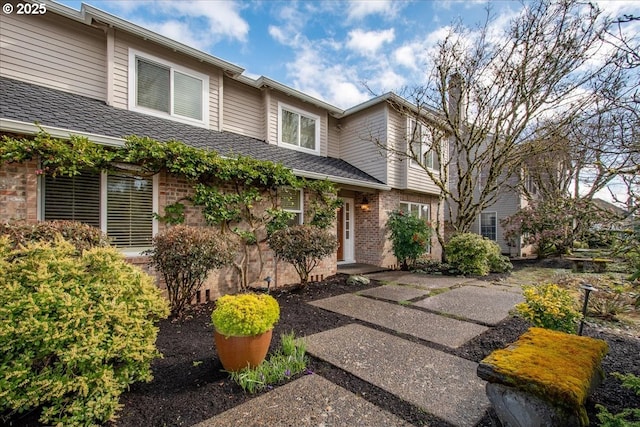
{"x": 282, "y": 365}
{"x": 304, "y": 246}
{"x": 81, "y": 236}
{"x": 184, "y": 256}
{"x": 472, "y": 254}
{"x": 245, "y": 314}
{"x": 410, "y": 237}
{"x": 549, "y": 306}
{"x": 75, "y": 331}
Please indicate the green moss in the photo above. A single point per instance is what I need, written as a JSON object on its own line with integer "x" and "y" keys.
{"x": 555, "y": 366}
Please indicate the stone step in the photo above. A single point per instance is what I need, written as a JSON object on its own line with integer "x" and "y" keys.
{"x": 308, "y": 401}
{"x": 443, "y": 385}
{"x": 478, "y": 301}
{"x": 427, "y": 326}
{"x": 395, "y": 293}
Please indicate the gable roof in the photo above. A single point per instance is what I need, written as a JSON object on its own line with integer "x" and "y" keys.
{"x": 22, "y": 104}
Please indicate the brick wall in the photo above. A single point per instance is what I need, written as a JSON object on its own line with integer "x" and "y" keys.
{"x": 18, "y": 200}
{"x": 18, "y": 191}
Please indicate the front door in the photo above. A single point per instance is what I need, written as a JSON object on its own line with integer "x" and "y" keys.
{"x": 345, "y": 234}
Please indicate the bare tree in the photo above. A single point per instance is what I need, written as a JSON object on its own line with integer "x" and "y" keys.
{"x": 489, "y": 93}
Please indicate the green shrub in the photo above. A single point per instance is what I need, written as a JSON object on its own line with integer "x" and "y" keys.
{"x": 75, "y": 330}
{"x": 184, "y": 256}
{"x": 410, "y": 237}
{"x": 288, "y": 361}
{"x": 245, "y": 314}
{"x": 304, "y": 246}
{"x": 472, "y": 254}
{"x": 81, "y": 236}
{"x": 549, "y": 306}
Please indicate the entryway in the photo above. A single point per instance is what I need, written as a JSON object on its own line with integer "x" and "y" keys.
{"x": 345, "y": 228}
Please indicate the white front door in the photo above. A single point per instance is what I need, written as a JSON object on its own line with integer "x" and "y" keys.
{"x": 347, "y": 231}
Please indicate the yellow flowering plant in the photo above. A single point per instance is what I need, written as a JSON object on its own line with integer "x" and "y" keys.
{"x": 245, "y": 314}
{"x": 549, "y": 306}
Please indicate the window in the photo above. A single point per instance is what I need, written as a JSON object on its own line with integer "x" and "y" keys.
{"x": 489, "y": 225}
{"x": 420, "y": 140}
{"x": 420, "y": 210}
{"x": 291, "y": 201}
{"x": 121, "y": 205}
{"x": 298, "y": 129}
{"x": 163, "y": 89}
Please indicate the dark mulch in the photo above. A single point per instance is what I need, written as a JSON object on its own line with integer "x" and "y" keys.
{"x": 189, "y": 385}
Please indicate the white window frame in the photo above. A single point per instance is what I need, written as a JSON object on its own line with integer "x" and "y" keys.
{"x": 133, "y": 54}
{"x": 296, "y": 211}
{"x": 281, "y": 143}
{"x": 425, "y": 144}
{"x": 103, "y": 209}
{"x": 495, "y": 214}
{"x": 422, "y": 215}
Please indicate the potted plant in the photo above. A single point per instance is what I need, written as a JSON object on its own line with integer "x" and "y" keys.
{"x": 243, "y": 326}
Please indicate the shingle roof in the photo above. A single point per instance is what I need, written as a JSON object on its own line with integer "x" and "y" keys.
{"x": 31, "y": 103}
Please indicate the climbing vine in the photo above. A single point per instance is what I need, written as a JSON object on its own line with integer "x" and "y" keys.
{"x": 239, "y": 194}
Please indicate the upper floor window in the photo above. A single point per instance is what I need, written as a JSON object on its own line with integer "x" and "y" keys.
{"x": 291, "y": 201}
{"x": 299, "y": 129}
{"x": 489, "y": 225}
{"x": 419, "y": 139}
{"x": 121, "y": 205}
{"x": 164, "y": 89}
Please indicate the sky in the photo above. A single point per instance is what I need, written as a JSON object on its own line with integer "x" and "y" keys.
{"x": 342, "y": 52}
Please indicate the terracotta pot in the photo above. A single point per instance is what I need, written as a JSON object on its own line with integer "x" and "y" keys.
{"x": 237, "y": 353}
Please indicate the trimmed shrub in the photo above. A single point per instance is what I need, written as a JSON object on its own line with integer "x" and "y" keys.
{"x": 304, "y": 246}
{"x": 184, "y": 255}
{"x": 410, "y": 237}
{"x": 245, "y": 314}
{"x": 81, "y": 236}
{"x": 549, "y": 306}
{"x": 472, "y": 254}
{"x": 75, "y": 331}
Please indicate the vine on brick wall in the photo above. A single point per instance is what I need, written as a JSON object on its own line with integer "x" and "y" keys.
{"x": 237, "y": 193}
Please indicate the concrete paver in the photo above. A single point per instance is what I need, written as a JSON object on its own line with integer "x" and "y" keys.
{"x": 427, "y": 326}
{"x": 425, "y": 281}
{"x": 307, "y": 401}
{"x": 395, "y": 292}
{"x": 443, "y": 385}
{"x": 487, "y": 304}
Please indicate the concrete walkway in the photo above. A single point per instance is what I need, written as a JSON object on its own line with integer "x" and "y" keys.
{"x": 448, "y": 311}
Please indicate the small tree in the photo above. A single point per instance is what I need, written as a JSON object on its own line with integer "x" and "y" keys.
{"x": 303, "y": 246}
{"x": 184, "y": 256}
{"x": 410, "y": 237}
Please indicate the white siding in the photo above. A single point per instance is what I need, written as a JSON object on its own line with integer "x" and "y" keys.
{"x": 272, "y": 128}
{"x": 356, "y": 145}
{"x": 333, "y": 133}
{"x": 53, "y": 51}
{"x": 124, "y": 41}
{"x": 243, "y": 109}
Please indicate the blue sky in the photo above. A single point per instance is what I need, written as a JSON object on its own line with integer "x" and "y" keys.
{"x": 333, "y": 50}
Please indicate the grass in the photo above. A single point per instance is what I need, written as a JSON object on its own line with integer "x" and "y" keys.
{"x": 285, "y": 363}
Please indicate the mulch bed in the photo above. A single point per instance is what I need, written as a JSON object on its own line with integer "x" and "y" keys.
{"x": 189, "y": 385}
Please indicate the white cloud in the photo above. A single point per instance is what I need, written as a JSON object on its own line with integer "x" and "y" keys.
{"x": 359, "y": 9}
{"x": 368, "y": 43}
{"x": 181, "y": 32}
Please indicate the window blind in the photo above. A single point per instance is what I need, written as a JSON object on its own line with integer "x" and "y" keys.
{"x": 74, "y": 198}
{"x": 153, "y": 85}
{"x": 187, "y": 97}
{"x": 129, "y": 210}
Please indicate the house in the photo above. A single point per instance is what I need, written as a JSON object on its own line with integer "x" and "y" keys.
{"x": 92, "y": 74}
